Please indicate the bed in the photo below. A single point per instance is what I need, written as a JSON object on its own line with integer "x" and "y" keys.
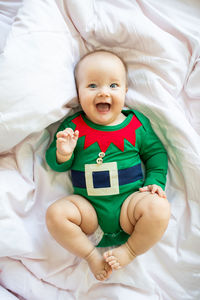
{"x": 40, "y": 43}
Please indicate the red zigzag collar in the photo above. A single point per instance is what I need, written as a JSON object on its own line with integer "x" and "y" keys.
{"x": 105, "y": 138}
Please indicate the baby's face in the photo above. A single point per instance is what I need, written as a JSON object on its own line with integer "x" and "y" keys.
{"x": 101, "y": 85}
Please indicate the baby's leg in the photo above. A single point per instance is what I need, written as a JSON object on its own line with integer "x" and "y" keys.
{"x": 70, "y": 220}
{"x": 145, "y": 217}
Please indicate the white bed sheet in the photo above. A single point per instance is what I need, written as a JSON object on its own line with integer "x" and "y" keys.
{"x": 41, "y": 42}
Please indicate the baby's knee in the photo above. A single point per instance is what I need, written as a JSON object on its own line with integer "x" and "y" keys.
{"x": 159, "y": 209}
{"x": 59, "y": 212}
{"x": 52, "y": 215}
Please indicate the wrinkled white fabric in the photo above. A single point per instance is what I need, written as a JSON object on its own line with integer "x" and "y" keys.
{"x": 41, "y": 41}
{"x": 5, "y": 294}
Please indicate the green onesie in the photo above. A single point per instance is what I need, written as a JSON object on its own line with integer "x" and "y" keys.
{"x": 106, "y": 166}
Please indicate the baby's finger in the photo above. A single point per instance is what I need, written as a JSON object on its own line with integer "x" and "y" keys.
{"x": 157, "y": 189}
{"x": 69, "y": 131}
{"x": 153, "y": 188}
{"x": 144, "y": 189}
{"x": 76, "y": 134}
{"x": 62, "y": 134}
{"x": 162, "y": 193}
{"x": 65, "y": 133}
{"x": 61, "y": 140}
{"x": 59, "y": 134}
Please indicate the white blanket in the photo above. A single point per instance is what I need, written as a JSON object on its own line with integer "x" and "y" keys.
{"x": 41, "y": 41}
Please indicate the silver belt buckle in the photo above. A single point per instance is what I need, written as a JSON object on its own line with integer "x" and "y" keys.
{"x": 113, "y": 189}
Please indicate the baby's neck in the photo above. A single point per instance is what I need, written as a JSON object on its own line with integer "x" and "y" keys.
{"x": 118, "y": 121}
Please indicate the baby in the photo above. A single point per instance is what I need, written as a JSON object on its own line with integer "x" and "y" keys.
{"x": 103, "y": 146}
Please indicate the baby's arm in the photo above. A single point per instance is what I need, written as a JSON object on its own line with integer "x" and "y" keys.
{"x": 65, "y": 144}
{"x": 154, "y": 157}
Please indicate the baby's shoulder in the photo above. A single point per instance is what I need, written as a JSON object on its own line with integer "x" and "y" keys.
{"x": 140, "y": 116}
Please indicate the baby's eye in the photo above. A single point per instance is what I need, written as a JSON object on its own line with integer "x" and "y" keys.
{"x": 92, "y": 85}
{"x": 113, "y": 85}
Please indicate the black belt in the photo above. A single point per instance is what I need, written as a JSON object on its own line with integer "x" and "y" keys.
{"x": 101, "y": 178}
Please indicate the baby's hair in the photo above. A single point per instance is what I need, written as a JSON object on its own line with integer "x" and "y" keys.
{"x": 98, "y": 51}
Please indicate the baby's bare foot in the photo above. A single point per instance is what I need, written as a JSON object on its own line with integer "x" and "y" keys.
{"x": 99, "y": 267}
{"x": 119, "y": 257}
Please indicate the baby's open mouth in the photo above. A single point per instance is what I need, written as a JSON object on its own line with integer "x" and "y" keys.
{"x": 103, "y": 107}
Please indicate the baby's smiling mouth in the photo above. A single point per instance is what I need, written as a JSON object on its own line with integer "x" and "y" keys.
{"x": 103, "y": 107}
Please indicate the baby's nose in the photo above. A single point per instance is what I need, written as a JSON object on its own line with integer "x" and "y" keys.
{"x": 103, "y": 93}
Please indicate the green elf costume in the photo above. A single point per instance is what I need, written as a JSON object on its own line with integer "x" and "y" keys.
{"x": 106, "y": 166}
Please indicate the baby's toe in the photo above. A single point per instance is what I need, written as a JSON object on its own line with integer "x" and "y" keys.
{"x": 99, "y": 277}
{"x": 107, "y": 254}
{"x": 110, "y": 259}
{"x": 103, "y": 275}
{"x": 116, "y": 266}
{"x": 108, "y": 269}
{"x": 112, "y": 262}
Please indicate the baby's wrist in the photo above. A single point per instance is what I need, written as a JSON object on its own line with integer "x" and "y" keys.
{"x": 62, "y": 158}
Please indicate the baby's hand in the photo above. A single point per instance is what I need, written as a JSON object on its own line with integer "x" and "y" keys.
{"x": 154, "y": 188}
{"x": 66, "y": 142}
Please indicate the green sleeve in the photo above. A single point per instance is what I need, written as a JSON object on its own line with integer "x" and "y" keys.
{"x": 51, "y": 151}
{"x": 153, "y": 155}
